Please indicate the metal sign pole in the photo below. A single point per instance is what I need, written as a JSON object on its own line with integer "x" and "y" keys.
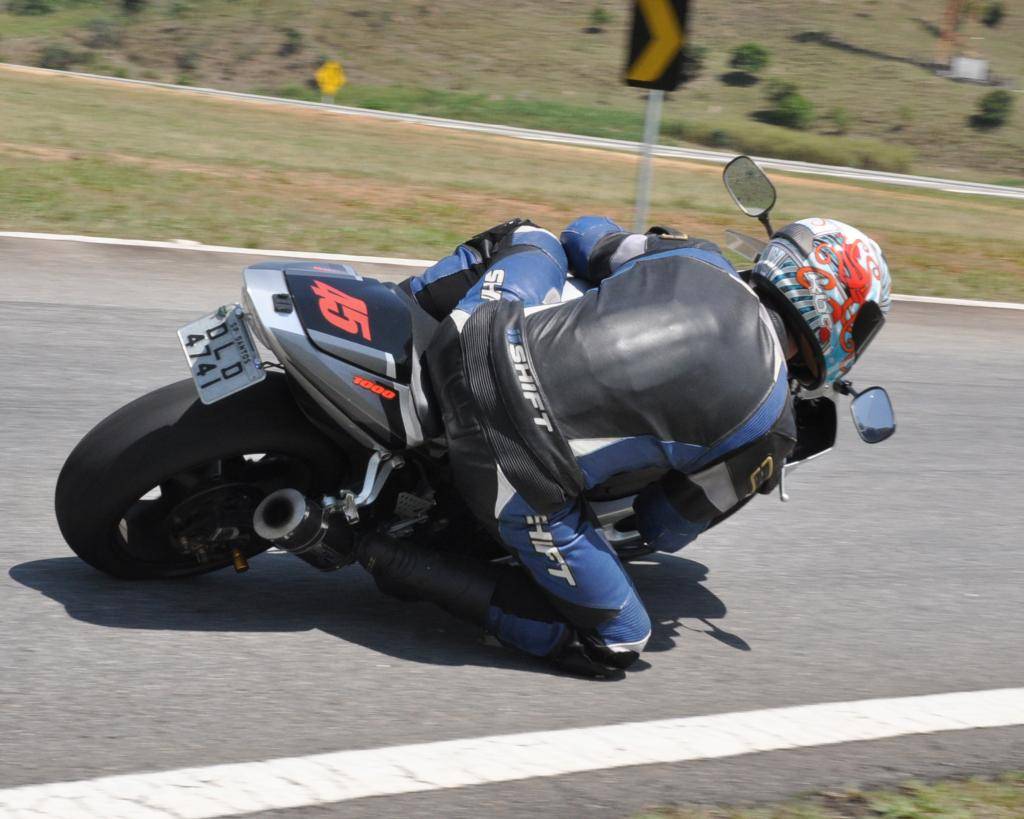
{"x": 652, "y": 125}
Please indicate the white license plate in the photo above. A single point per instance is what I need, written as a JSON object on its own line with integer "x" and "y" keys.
{"x": 221, "y": 354}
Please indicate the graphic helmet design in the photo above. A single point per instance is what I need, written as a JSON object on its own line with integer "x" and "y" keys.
{"x": 831, "y": 284}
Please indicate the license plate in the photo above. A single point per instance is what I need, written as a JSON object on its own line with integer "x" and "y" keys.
{"x": 221, "y": 354}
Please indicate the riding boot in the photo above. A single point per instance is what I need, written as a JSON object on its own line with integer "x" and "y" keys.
{"x": 403, "y": 569}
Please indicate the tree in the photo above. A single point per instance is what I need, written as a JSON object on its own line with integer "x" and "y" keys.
{"x": 993, "y": 14}
{"x": 793, "y": 110}
{"x": 28, "y": 7}
{"x": 750, "y": 57}
{"x": 993, "y": 109}
{"x": 776, "y": 89}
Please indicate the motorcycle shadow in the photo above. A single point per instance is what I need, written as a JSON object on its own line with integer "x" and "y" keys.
{"x": 280, "y": 594}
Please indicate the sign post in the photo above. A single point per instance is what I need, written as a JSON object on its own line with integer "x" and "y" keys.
{"x": 655, "y": 62}
{"x": 330, "y": 77}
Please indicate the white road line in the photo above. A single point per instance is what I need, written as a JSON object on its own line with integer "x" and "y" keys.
{"x": 600, "y": 143}
{"x": 276, "y": 784}
{"x": 186, "y": 244}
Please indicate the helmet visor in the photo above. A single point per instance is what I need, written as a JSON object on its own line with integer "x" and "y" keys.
{"x": 805, "y": 365}
{"x": 866, "y": 325}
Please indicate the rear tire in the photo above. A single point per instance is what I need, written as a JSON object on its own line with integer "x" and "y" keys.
{"x": 171, "y": 446}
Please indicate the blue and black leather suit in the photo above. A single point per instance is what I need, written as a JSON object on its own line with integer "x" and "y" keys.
{"x": 667, "y": 377}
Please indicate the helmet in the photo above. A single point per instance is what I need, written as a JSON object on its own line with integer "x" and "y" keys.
{"x": 831, "y": 285}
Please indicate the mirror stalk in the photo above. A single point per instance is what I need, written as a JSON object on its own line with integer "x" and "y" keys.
{"x": 764, "y": 220}
{"x": 783, "y": 494}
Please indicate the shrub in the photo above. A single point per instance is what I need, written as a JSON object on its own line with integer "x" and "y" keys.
{"x": 27, "y": 7}
{"x": 776, "y": 89}
{"x": 599, "y": 16}
{"x": 103, "y": 33}
{"x": 58, "y": 57}
{"x": 993, "y": 14}
{"x": 793, "y": 110}
{"x": 693, "y": 60}
{"x": 841, "y": 119}
{"x": 749, "y": 57}
{"x": 132, "y": 6}
{"x": 292, "y": 43}
{"x": 187, "y": 60}
{"x": 904, "y": 117}
{"x": 993, "y": 109}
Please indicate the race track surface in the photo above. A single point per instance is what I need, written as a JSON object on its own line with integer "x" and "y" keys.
{"x": 896, "y": 570}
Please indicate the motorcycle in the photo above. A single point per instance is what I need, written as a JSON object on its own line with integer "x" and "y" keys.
{"x": 308, "y": 418}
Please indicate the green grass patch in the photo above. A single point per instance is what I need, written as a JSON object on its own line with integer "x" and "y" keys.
{"x": 978, "y": 798}
{"x": 85, "y": 157}
{"x": 617, "y": 123}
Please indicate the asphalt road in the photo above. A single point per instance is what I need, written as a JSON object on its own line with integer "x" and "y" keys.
{"x": 896, "y": 570}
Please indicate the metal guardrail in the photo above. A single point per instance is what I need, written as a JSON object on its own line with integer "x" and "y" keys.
{"x": 578, "y": 140}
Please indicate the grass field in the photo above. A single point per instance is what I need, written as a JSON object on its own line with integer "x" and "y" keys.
{"x": 89, "y": 157}
{"x": 534, "y": 63}
{"x": 998, "y": 798}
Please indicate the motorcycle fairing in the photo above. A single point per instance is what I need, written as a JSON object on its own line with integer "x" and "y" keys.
{"x": 361, "y": 321}
{"x": 330, "y": 380}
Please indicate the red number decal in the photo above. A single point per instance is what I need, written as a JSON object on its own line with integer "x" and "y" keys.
{"x": 342, "y": 310}
{"x": 374, "y": 387}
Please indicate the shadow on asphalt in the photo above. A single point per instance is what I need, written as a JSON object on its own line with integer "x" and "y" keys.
{"x": 281, "y": 594}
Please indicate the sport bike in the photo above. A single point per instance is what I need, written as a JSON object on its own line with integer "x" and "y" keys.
{"x": 308, "y": 417}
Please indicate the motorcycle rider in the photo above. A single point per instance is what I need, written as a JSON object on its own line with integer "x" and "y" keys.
{"x": 670, "y": 374}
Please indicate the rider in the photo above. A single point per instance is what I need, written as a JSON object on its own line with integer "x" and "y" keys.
{"x": 670, "y": 373}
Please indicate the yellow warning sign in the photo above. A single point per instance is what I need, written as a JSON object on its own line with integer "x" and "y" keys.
{"x": 656, "y": 45}
{"x": 330, "y": 77}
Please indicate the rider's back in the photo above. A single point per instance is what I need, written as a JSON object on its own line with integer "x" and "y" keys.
{"x": 673, "y": 346}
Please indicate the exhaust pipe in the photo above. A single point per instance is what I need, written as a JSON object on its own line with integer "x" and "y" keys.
{"x": 299, "y": 525}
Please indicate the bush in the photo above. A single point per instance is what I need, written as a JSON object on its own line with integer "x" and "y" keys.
{"x": 749, "y": 57}
{"x": 993, "y": 109}
{"x": 58, "y": 57}
{"x": 187, "y": 60}
{"x": 993, "y": 14}
{"x": 103, "y": 33}
{"x": 775, "y": 90}
{"x": 27, "y": 7}
{"x": 132, "y": 6}
{"x": 292, "y": 43}
{"x": 693, "y": 60}
{"x": 599, "y": 16}
{"x": 793, "y": 110}
{"x": 841, "y": 119}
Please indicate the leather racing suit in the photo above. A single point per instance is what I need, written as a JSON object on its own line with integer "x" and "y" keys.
{"x": 666, "y": 375}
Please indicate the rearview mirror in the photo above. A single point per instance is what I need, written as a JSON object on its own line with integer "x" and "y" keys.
{"x": 751, "y": 190}
{"x": 873, "y": 415}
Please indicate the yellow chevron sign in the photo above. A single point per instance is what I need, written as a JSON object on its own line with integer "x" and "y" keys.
{"x": 656, "y": 45}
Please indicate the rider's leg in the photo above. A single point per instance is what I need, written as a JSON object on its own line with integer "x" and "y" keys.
{"x": 570, "y": 559}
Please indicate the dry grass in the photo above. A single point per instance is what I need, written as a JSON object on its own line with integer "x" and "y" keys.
{"x": 537, "y": 51}
{"x": 977, "y": 798}
{"x": 84, "y": 157}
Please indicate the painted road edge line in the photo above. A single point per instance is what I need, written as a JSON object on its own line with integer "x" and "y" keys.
{"x": 187, "y": 244}
{"x": 578, "y": 140}
{"x": 319, "y": 779}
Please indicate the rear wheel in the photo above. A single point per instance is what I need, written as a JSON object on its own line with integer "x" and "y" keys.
{"x": 166, "y": 486}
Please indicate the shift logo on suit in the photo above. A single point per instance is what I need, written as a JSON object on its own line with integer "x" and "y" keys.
{"x": 544, "y": 543}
